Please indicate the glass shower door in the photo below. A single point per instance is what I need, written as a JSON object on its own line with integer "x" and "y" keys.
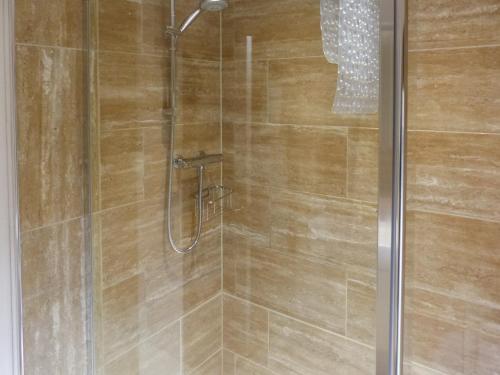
{"x": 283, "y": 280}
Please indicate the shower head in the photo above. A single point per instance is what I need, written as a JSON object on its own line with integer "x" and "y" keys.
{"x": 213, "y": 5}
{"x": 205, "y": 5}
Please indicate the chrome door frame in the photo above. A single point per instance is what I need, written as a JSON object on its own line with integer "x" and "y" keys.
{"x": 10, "y": 262}
{"x": 392, "y": 177}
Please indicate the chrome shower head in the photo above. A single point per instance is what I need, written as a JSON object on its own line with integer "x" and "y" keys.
{"x": 205, "y": 5}
{"x": 213, "y": 5}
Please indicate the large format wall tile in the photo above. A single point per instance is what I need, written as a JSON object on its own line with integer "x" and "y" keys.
{"x": 50, "y": 23}
{"x": 455, "y": 90}
{"x": 53, "y": 258}
{"x": 120, "y": 23}
{"x": 201, "y": 334}
{"x": 453, "y": 23}
{"x": 336, "y": 230}
{"x": 133, "y": 90}
{"x": 213, "y": 366}
{"x": 53, "y": 304}
{"x": 122, "y": 167}
{"x": 362, "y": 164}
{"x": 301, "y": 91}
{"x": 243, "y": 367}
{"x": 303, "y": 158}
{"x": 159, "y": 354}
{"x": 54, "y": 332}
{"x": 261, "y": 29}
{"x": 436, "y": 343}
{"x": 440, "y": 256}
{"x": 50, "y": 130}
{"x": 250, "y": 214}
{"x": 307, "y": 288}
{"x": 361, "y": 301}
{"x": 454, "y": 173}
{"x": 296, "y": 348}
{"x": 198, "y": 91}
{"x": 246, "y": 329}
{"x": 244, "y": 91}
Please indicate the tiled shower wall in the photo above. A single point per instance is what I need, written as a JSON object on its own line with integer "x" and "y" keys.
{"x": 300, "y": 243}
{"x": 453, "y": 244}
{"x": 50, "y": 122}
{"x": 156, "y": 311}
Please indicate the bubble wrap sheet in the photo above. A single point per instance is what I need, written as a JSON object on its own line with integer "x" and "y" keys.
{"x": 350, "y": 30}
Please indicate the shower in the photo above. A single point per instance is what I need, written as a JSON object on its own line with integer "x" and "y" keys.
{"x": 200, "y": 162}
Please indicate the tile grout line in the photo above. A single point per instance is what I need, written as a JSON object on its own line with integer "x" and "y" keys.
{"x": 167, "y": 326}
{"x": 310, "y": 325}
{"x": 53, "y": 224}
{"x": 467, "y": 47}
{"x": 238, "y": 356}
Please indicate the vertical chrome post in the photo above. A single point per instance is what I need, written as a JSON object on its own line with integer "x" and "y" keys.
{"x": 10, "y": 260}
{"x": 391, "y": 219}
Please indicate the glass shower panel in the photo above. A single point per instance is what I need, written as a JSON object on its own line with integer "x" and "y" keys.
{"x": 453, "y": 221}
{"x": 155, "y": 311}
{"x": 300, "y": 243}
{"x": 283, "y": 279}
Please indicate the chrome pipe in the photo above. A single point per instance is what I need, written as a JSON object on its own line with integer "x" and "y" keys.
{"x": 173, "y": 117}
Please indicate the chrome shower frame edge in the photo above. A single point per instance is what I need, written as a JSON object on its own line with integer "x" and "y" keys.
{"x": 392, "y": 189}
{"x": 11, "y": 338}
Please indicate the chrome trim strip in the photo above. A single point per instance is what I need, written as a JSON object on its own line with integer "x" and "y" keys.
{"x": 392, "y": 167}
{"x": 11, "y": 344}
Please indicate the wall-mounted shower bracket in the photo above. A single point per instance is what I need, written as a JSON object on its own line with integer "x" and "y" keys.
{"x": 199, "y": 161}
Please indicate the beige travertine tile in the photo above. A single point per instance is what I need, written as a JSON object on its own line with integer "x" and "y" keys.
{"x": 53, "y": 258}
{"x": 159, "y": 354}
{"x": 250, "y": 214}
{"x": 50, "y": 129}
{"x": 418, "y": 369}
{"x": 212, "y": 366}
{"x": 307, "y": 288}
{"x": 201, "y": 334}
{"x": 120, "y": 23}
{"x": 133, "y": 90}
{"x": 244, "y": 367}
{"x": 121, "y": 243}
{"x": 122, "y": 317}
{"x": 54, "y": 332}
{"x": 262, "y": 29}
{"x": 482, "y": 353}
{"x": 453, "y": 23}
{"x": 198, "y": 91}
{"x": 155, "y": 19}
{"x": 455, "y": 90}
{"x": 362, "y": 161}
{"x": 244, "y": 91}
{"x": 55, "y": 23}
{"x": 228, "y": 360}
{"x": 361, "y": 301}
{"x": 245, "y": 329}
{"x": 301, "y": 91}
{"x": 303, "y": 158}
{"x": 454, "y": 173}
{"x": 164, "y": 307}
{"x": 122, "y": 167}
{"x": 435, "y": 343}
{"x": 339, "y": 231}
{"x": 296, "y": 348}
{"x": 441, "y": 259}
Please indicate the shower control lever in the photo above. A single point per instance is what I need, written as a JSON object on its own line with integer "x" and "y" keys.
{"x": 199, "y": 161}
